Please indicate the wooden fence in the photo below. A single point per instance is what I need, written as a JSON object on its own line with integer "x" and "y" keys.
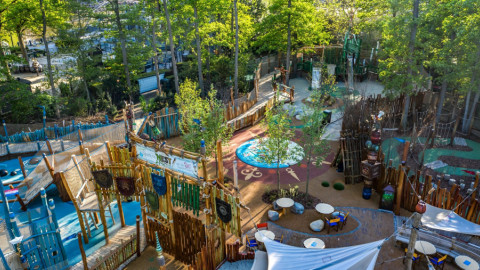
{"x": 234, "y": 254}
{"x": 251, "y": 118}
{"x": 166, "y": 121}
{"x": 189, "y": 237}
{"x": 409, "y": 185}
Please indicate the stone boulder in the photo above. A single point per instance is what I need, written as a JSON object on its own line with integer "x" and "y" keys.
{"x": 273, "y": 215}
{"x": 297, "y": 208}
{"x": 317, "y": 225}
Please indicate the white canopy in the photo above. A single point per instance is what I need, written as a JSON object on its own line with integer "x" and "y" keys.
{"x": 447, "y": 220}
{"x": 281, "y": 256}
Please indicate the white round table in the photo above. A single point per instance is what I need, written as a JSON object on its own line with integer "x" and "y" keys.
{"x": 425, "y": 247}
{"x": 324, "y": 209}
{"x": 260, "y": 234}
{"x": 314, "y": 243}
{"x": 285, "y": 203}
{"x": 466, "y": 263}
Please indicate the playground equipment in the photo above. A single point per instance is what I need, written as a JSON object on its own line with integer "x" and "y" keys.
{"x": 35, "y": 236}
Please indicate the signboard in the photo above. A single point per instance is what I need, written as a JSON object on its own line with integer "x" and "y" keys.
{"x": 149, "y": 83}
{"x": 11, "y": 193}
{"x": 182, "y": 165}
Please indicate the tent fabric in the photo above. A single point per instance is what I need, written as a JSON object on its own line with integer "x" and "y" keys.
{"x": 284, "y": 257}
{"x": 261, "y": 261}
{"x": 447, "y": 220}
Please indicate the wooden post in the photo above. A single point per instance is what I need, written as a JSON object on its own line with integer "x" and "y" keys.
{"x": 49, "y": 167}
{"x": 170, "y": 206}
{"x": 49, "y": 146}
{"x": 77, "y": 209}
{"x": 220, "y": 161}
{"x": 19, "y": 199}
{"x": 138, "y": 236}
{"x": 22, "y": 167}
{"x": 82, "y": 251}
{"x": 206, "y": 191}
{"x": 413, "y": 238}
{"x": 80, "y": 136}
{"x": 109, "y": 151}
{"x": 102, "y": 214}
{"x": 406, "y": 147}
{"x": 472, "y": 199}
{"x": 292, "y": 94}
{"x": 120, "y": 209}
{"x": 400, "y": 188}
{"x": 82, "y": 151}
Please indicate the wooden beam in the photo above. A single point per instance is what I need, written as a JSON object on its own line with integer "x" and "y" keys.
{"x": 22, "y": 167}
{"x": 77, "y": 208}
{"x": 220, "y": 162}
{"x": 405, "y": 150}
{"x": 82, "y": 251}
{"x": 49, "y": 166}
{"x": 399, "y": 189}
{"x": 472, "y": 199}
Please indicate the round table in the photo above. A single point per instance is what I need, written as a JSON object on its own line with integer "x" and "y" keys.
{"x": 425, "y": 247}
{"x": 314, "y": 243}
{"x": 324, "y": 209}
{"x": 466, "y": 262}
{"x": 285, "y": 203}
{"x": 269, "y": 234}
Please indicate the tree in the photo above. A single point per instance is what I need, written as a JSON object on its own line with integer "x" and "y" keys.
{"x": 295, "y": 22}
{"x": 172, "y": 46}
{"x": 122, "y": 37}
{"x": 199, "y": 45}
{"x": 236, "y": 46}
{"x": 155, "y": 6}
{"x": 314, "y": 127}
{"x": 275, "y": 144}
{"x": 20, "y": 17}
{"x": 202, "y": 118}
{"x": 47, "y": 50}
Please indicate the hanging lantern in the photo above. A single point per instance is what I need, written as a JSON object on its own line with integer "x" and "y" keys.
{"x": 421, "y": 206}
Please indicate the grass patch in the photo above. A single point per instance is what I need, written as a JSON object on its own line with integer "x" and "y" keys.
{"x": 325, "y": 184}
{"x": 338, "y": 186}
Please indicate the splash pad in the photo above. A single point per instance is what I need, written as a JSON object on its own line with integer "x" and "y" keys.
{"x": 251, "y": 153}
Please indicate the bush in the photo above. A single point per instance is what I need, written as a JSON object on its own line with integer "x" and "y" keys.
{"x": 338, "y": 186}
{"x": 20, "y": 105}
{"x": 325, "y": 184}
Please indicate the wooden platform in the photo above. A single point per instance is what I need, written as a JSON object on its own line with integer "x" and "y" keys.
{"x": 115, "y": 243}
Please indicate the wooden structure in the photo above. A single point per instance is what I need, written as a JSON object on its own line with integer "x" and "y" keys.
{"x": 43, "y": 247}
{"x": 164, "y": 124}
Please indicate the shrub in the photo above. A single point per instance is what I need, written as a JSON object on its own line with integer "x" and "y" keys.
{"x": 325, "y": 184}
{"x": 338, "y": 186}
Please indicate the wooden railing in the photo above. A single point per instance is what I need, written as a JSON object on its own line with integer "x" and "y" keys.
{"x": 234, "y": 254}
{"x": 118, "y": 256}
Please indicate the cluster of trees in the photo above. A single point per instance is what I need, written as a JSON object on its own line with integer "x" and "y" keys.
{"x": 433, "y": 42}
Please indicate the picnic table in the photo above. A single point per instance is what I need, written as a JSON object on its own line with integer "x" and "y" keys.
{"x": 466, "y": 263}
{"x": 314, "y": 243}
{"x": 324, "y": 209}
{"x": 425, "y": 247}
{"x": 285, "y": 203}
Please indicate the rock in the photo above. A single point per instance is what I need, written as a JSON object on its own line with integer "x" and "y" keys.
{"x": 317, "y": 225}
{"x": 298, "y": 117}
{"x": 34, "y": 161}
{"x": 452, "y": 181}
{"x": 462, "y": 186}
{"x": 273, "y": 215}
{"x": 275, "y": 206}
{"x": 297, "y": 208}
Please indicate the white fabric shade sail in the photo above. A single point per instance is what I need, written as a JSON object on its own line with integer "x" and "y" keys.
{"x": 447, "y": 220}
{"x": 281, "y": 256}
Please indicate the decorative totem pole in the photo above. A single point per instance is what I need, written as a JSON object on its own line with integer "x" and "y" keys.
{"x": 370, "y": 167}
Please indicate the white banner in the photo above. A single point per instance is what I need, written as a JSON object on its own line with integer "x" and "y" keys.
{"x": 316, "y": 80}
{"x": 181, "y": 165}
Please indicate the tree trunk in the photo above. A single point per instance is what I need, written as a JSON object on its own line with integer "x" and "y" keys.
{"x": 309, "y": 163}
{"x": 278, "y": 176}
{"x": 22, "y": 45}
{"x": 442, "y": 99}
{"x": 207, "y": 66}
{"x": 123, "y": 46}
{"x": 199, "y": 50}
{"x": 172, "y": 49}
{"x": 47, "y": 50}
{"x": 236, "y": 47}
{"x": 154, "y": 48}
{"x": 411, "y": 47}
{"x": 472, "y": 111}
{"x": 289, "y": 43}
{"x": 467, "y": 105}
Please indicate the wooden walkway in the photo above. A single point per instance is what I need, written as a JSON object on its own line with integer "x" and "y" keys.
{"x": 116, "y": 242}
